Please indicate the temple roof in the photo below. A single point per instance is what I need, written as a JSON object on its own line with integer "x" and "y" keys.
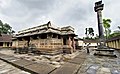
{"x": 114, "y": 38}
{"x": 90, "y": 41}
{"x": 5, "y": 38}
{"x": 46, "y": 28}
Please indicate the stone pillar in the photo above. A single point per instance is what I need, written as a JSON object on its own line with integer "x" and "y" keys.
{"x": 114, "y": 44}
{"x": 98, "y": 8}
{"x": 4, "y": 44}
{"x": 119, "y": 44}
{"x": 110, "y": 44}
{"x": 73, "y": 44}
{"x": 38, "y": 41}
{"x": 17, "y": 43}
{"x": 30, "y": 40}
{"x": 69, "y": 42}
{"x": 57, "y": 36}
{"x": 100, "y": 27}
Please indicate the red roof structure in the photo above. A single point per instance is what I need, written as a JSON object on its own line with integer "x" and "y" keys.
{"x": 5, "y": 38}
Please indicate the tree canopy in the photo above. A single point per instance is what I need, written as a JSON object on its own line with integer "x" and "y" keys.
{"x": 89, "y": 32}
{"x": 118, "y": 27}
{"x": 106, "y": 24}
{"x": 5, "y": 28}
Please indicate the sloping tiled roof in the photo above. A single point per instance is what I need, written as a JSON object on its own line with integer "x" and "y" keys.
{"x": 90, "y": 41}
{"x": 5, "y": 38}
{"x": 46, "y": 28}
{"x": 113, "y": 38}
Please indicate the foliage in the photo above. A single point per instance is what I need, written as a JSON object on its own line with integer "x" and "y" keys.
{"x": 118, "y": 27}
{"x": 114, "y": 34}
{"x": 106, "y": 24}
{"x": 89, "y": 33}
{"x": 86, "y": 32}
{"x": 5, "y": 28}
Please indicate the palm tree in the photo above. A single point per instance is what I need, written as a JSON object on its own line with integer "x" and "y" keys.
{"x": 106, "y": 24}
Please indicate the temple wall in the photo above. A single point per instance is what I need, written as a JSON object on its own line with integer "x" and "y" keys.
{"x": 35, "y": 43}
{"x": 15, "y": 43}
{"x": 22, "y": 43}
{"x": 47, "y": 43}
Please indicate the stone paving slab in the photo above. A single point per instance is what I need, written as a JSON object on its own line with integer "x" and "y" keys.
{"x": 83, "y": 69}
{"x": 9, "y": 58}
{"x": 27, "y": 65}
{"x": 6, "y": 68}
{"x": 115, "y": 72}
{"x": 40, "y": 68}
{"x": 81, "y": 55}
{"x": 76, "y": 61}
{"x": 70, "y": 67}
{"x": 67, "y": 68}
{"x": 22, "y": 62}
{"x": 2, "y": 55}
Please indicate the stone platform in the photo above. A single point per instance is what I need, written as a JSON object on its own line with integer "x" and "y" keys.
{"x": 105, "y": 52}
{"x": 81, "y": 64}
{"x": 70, "y": 66}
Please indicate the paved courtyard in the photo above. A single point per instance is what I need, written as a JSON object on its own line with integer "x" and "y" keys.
{"x": 82, "y": 63}
{"x": 6, "y": 68}
{"x": 101, "y": 64}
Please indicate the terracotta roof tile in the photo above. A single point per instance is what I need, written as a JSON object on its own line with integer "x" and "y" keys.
{"x": 5, "y": 38}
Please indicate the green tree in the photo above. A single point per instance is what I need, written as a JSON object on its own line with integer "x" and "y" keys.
{"x": 118, "y": 27}
{"x": 5, "y": 28}
{"x": 86, "y": 32}
{"x": 106, "y": 24}
{"x": 89, "y": 33}
{"x": 1, "y": 27}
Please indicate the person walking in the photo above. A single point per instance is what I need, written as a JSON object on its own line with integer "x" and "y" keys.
{"x": 87, "y": 47}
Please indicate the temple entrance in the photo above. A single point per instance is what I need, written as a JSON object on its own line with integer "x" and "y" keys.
{"x": 1, "y": 43}
{"x": 64, "y": 41}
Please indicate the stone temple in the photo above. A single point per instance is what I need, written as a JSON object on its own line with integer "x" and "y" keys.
{"x": 46, "y": 39}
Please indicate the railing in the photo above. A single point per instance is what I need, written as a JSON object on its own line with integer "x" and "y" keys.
{"x": 114, "y": 42}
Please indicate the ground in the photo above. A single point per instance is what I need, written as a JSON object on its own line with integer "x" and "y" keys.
{"x": 101, "y": 64}
{"x": 6, "y": 68}
{"x": 90, "y": 65}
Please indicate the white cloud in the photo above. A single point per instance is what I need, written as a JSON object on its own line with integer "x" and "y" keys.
{"x": 22, "y": 14}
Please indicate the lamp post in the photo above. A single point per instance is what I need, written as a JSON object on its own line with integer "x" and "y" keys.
{"x": 98, "y": 8}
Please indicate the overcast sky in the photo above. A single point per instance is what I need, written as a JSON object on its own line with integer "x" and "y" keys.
{"x": 23, "y": 14}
